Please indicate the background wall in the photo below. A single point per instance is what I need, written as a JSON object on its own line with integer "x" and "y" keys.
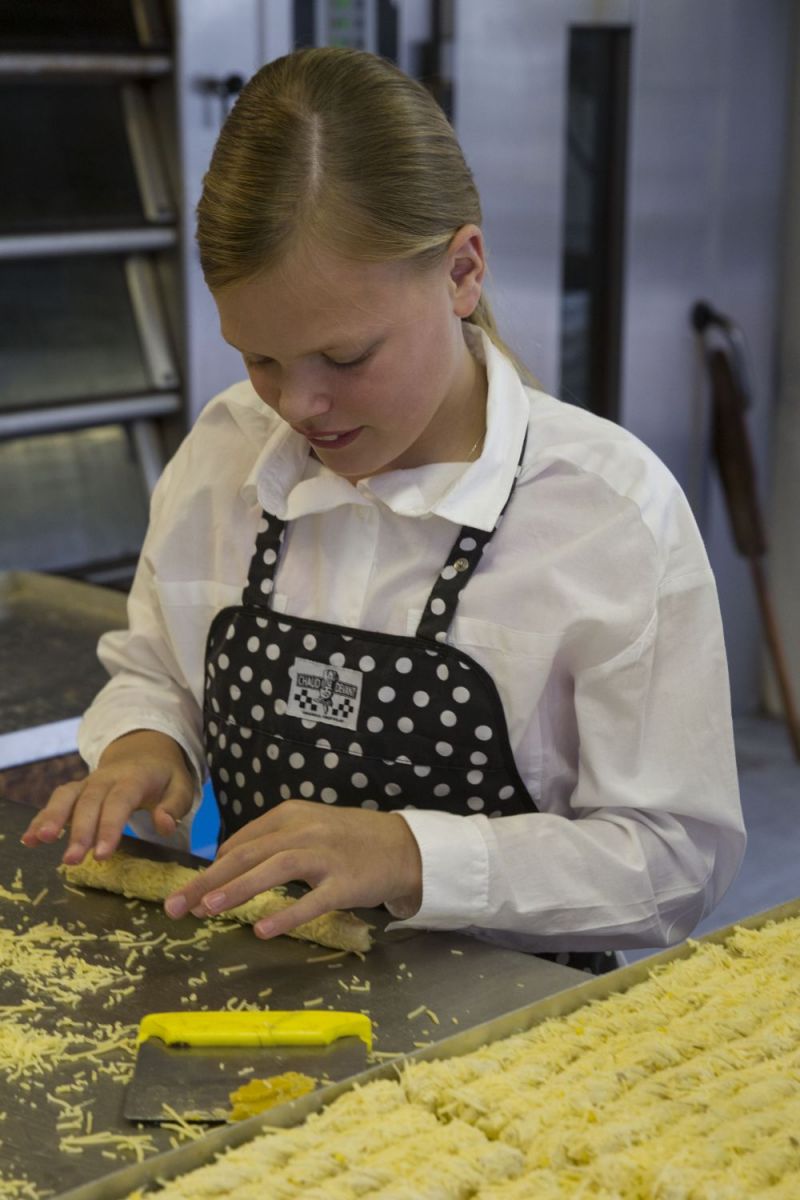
{"x": 706, "y": 166}
{"x": 785, "y": 508}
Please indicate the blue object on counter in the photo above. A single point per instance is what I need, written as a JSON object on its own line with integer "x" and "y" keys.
{"x": 205, "y": 826}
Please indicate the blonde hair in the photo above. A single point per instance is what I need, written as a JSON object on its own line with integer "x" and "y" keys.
{"x": 339, "y": 146}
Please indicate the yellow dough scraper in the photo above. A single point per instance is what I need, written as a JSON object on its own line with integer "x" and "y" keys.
{"x": 189, "y": 1063}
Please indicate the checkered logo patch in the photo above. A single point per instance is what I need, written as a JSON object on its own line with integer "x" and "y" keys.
{"x": 320, "y": 692}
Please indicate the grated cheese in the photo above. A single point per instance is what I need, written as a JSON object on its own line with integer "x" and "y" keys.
{"x": 138, "y": 1144}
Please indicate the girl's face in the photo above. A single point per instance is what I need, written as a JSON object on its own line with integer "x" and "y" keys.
{"x": 365, "y": 360}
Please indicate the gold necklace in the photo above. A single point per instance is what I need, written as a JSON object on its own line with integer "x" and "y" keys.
{"x": 475, "y": 447}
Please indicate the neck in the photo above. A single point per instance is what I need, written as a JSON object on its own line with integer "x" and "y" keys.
{"x": 474, "y": 425}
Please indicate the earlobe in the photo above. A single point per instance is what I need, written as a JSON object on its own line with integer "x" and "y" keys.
{"x": 467, "y": 267}
{"x": 466, "y": 284}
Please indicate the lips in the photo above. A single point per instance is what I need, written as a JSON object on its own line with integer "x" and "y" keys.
{"x": 333, "y": 440}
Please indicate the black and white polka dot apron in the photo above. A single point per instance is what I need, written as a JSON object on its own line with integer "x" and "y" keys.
{"x": 298, "y": 708}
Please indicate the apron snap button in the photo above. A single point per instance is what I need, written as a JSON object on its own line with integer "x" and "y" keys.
{"x": 461, "y": 564}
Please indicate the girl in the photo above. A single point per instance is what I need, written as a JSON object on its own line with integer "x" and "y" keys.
{"x": 443, "y": 642}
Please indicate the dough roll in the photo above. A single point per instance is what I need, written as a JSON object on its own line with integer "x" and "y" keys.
{"x": 144, "y": 879}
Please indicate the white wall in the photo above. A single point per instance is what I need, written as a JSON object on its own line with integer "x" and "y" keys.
{"x": 784, "y": 558}
{"x": 706, "y": 169}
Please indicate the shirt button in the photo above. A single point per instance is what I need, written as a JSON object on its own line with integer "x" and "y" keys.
{"x": 461, "y": 564}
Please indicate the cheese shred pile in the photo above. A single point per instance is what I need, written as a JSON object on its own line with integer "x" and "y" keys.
{"x": 685, "y": 1087}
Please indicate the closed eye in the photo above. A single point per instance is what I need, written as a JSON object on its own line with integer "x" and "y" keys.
{"x": 252, "y": 360}
{"x": 354, "y": 362}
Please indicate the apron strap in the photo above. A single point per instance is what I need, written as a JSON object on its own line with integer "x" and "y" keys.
{"x": 462, "y": 561}
{"x": 264, "y": 563}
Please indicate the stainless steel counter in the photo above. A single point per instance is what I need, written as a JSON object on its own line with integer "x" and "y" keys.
{"x": 458, "y": 979}
{"x": 49, "y": 671}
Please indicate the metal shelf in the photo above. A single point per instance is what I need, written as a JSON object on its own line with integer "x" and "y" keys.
{"x": 118, "y": 66}
{"x": 84, "y": 241}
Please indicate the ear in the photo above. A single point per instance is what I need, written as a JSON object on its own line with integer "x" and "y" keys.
{"x": 466, "y": 266}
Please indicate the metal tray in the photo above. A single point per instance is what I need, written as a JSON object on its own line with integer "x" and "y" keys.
{"x": 187, "y": 1158}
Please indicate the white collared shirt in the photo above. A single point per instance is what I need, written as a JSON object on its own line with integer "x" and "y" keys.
{"x": 594, "y": 610}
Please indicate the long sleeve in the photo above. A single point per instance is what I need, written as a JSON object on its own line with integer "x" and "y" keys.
{"x": 148, "y": 688}
{"x": 654, "y": 835}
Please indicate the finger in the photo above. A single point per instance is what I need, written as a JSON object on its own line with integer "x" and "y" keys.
{"x": 49, "y": 822}
{"x": 265, "y": 824}
{"x": 279, "y": 868}
{"x": 120, "y": 801}
{"x": 83, "y": 827}
{"x": 316, "y": 903}
{"x": 173, "y": 805}
{"x": 233, "y": 880}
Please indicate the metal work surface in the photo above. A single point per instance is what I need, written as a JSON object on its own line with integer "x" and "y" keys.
{"x": 48, "y": 638}
{"x": 187, "y": 1158}
{"x": 456, "y": 978}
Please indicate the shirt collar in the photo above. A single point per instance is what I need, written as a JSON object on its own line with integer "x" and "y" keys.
{"x": 289, "y": 483}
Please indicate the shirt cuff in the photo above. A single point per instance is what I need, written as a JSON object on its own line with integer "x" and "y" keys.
{"x": 455, "y": 871}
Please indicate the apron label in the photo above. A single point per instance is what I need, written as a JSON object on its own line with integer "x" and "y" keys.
{"x": 320, "y": 692}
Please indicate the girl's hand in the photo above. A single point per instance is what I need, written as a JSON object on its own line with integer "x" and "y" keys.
{"x": 351, "y": 857}
{"x": 143, "y": 769}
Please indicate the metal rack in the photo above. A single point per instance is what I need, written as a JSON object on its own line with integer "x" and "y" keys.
{"x": 89, "y": 242}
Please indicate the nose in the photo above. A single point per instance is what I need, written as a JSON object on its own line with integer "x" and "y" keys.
{"x": 302, "y": 395}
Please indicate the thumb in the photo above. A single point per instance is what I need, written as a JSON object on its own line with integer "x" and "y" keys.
{"x": 175, "y": 803}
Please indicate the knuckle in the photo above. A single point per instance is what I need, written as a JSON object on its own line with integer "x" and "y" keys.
{"x": 292, "y": 807}
{"x": 290, "y": 863}
{"x": 66, "y": 791}
{"x": 242, "y": 858}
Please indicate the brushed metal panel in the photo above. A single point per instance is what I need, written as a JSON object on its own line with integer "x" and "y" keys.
{"x": 68, "y": 499}
{"x": 707, "y": 130}
{"x": 710, "y": 87}
{"x": 784, "y": 529}
{"x": 212, "y": 41}
{"x": 510, "y": 114}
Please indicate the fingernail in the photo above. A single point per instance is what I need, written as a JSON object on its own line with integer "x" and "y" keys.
{"x": 264, "y": 929}
{"x": 73, "y": 854}
{"x": 215, "y": 901}
{"x": 176, "y": 906}
{"x": 47, "y": 833}
{"x": 102, "y": 850}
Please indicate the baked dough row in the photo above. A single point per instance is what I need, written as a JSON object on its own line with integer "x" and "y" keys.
{"x": 685, "y": 1087}
{"x": 145, "y": 879}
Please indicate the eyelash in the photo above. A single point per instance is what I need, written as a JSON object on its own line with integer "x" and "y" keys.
{"x": 355, "y": 362}
{"x": 339, "y": 366}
